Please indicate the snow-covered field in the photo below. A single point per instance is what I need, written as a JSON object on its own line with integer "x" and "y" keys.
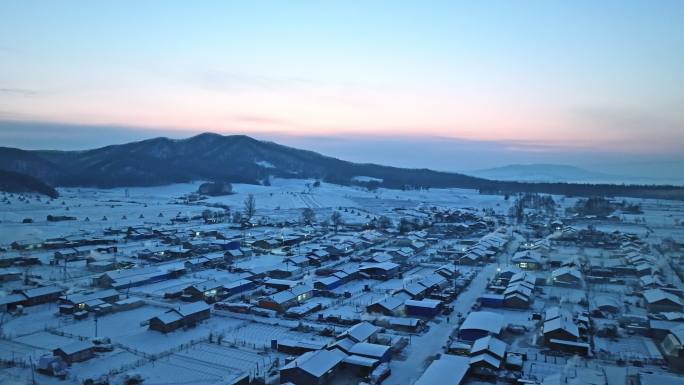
{"x": 194, "y": 355}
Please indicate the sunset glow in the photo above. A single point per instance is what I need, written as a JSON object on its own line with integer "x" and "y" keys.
{"x": 532, "y": 71}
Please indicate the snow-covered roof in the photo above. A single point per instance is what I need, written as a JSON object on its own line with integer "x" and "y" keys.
{"x": 83, "y": 298}
{"x": 39, "y": 291}
{"x": 657, "y": 295}
{"x": 390, "y": 303}
{"x": 447, "y": 370}
{"x": 361, "y": 331}
{"x": 483, "y": 320}
{"x": 561, "y": 323}
{"x": 426, "y": 303}
{"x": 318, "y": 362}
{"x": 369, "y": 350}
{"x": 75, "y": 347}
{"x": 489, "y": 344}
{"x": 432, "y": 280}
{"x": 360, "y": 361}
{"x": 382, "y": 266}
{"x": 414, "y": 289}
{"x": 527, "y": 256}
{"x": 486, "y": 358}
{"x": 566, "y": 271}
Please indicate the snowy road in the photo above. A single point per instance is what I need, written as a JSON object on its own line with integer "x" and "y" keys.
{"x": 427, "y": 345}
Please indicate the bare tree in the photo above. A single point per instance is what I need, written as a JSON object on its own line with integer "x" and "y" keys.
{"x": 384, "y": 222}
{"x": 250, "y": 206}
{"x": 336, "y": 220}
{"x": 308, "y": 216}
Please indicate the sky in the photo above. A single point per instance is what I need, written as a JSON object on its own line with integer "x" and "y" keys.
{"x": 458, "y": 84}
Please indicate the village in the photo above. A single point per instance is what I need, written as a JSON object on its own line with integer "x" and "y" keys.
{"x": 303, "y": 282}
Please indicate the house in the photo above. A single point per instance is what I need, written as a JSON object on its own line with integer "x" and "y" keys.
{"x": 606, "y": 304}
{"x": 43, "y": 294}
{"x": 380, "y": 257}
{"x": 433, "y": 282}
{"x": 75, "y": 352}
{"x": 481, "y": 324}
{"x": 645, "y": 268}
{"x": 302, "y": 310}
{"x": 558, "y": 325}
{"x": 484, "y": 361}
{"x": 7, "y": 275}
{"x": 318, "y": 256}
{"x": 489, "y": 345}
{"x": 413, "y": 291}
{"x": 284, "y": 270}
{"x": 516, "y": 300}
{"x": 364, "y": 367}
{"x": 298, "y": 260}
{"x": 574, "y": 347}
{"x": 369, "y": 350}
{"x": 282, "y": 300}
{"x": 239, "y": 286}
{"x": 205, "y": 261}
{"x": 528, "y": 260}
{"x": 389, "y": 306}
{"x": 11, "y": 301}
{"x": 651, "y": 282}
{"x": 491, "y": 300}
{"x": 280, "y": 284}
{"x": 401, "y": 255}
{"x": 208, "y": 291}
{"x": 123, "y": 279}
{"x": 328, "y": 283}
{"x": 361, "y": 332}
{"x": 101, "y": 266}
{"x": 672, "y": 348}
{"x": 381, "y": 271}
{"x": 567, "y": 277}
{"x": 183, "y": 316}
{"x": 448, "y": 271}
{"x": 312, "y": 368}
{"x": 266, "y": 244}
{"x": 82, "y": 301}
{"x": 426, "y": 308}
{"x": 409, "y": 325}
{"x": 233, "y": 255}
{"x": 660, "y": 301}
{"x": 296, "y": 346}
{"x": 128, "y": 304}
{"x": 447, "y": 370}
{"x": 471, "y": 258}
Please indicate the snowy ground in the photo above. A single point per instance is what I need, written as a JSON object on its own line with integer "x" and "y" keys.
{"x": 193, "y": 356}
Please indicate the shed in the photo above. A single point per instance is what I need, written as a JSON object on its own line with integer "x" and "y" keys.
{"x": 75, "y": 352}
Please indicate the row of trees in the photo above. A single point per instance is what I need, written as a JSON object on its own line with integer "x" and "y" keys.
{"x": 308, "y": 217}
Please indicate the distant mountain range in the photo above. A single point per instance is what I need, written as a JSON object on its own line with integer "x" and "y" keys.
{"x": 543, "y": 173}
{"x": 242, "y": 159}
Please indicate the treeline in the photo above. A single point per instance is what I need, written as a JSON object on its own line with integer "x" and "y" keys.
{"x": 21, "y": 183}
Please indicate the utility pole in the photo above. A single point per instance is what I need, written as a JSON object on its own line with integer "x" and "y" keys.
{"x": 33, "y": 371}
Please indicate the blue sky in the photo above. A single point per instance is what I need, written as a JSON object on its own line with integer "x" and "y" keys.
{"x": 567, "y": 79}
